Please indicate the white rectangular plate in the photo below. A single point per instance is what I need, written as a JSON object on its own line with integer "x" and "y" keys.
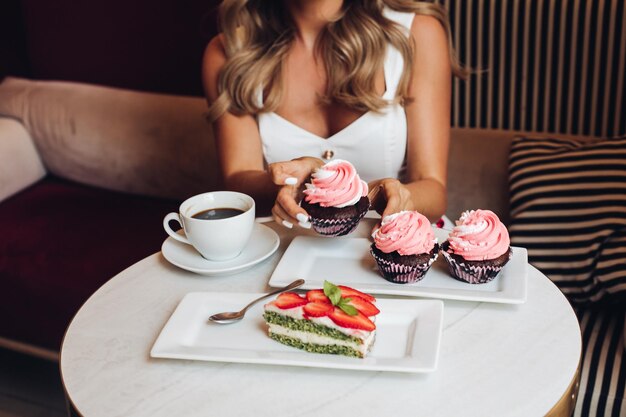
{"x": 408, "y": 335}
{"x": 347, "y": 261}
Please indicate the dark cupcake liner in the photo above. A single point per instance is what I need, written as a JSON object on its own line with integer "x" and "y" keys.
{"x": 401, "y": 273}
{"x": 336, "y": 227}
{"x": 473, "y": 273}
{"x": 336, "y": 221}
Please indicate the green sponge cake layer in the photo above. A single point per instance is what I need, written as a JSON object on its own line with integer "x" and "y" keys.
{"x": 315, "y": 337}
{"x": 312, "y": 347}
{"x": 307, "y": 326}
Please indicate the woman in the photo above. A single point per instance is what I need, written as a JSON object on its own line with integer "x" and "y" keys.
{"x": 294, "y": 83}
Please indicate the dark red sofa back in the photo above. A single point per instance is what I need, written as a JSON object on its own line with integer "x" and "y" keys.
{"x": 142, "y": 45}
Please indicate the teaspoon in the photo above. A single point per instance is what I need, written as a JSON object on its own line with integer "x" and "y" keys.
{"x": 230, "y": 317}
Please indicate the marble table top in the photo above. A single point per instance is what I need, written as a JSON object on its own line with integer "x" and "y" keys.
{"x": 495, "y": 359}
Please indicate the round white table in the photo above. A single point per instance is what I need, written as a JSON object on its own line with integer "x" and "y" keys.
{"x": 495, "y": 359}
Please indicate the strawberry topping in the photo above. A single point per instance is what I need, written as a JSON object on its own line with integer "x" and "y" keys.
{"x": 316, "y": 309}
{"x": 317, "y": 296}
{"x": 288, "y": 300}
{"x": 358, "y": 321}
{"x": 349, "y": 292}
{"x": 363, "y": 306}
{"x": 345, "y": 306}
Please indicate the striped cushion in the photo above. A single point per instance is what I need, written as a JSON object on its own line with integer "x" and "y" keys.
{"x": 568, "y": 208}
{"x": 603, "y": 367}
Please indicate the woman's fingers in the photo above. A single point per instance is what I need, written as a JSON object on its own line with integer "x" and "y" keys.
{"x": 294, "y": 172}
{"x": 291, "y": 181}
{"x": 284, "y": 173}
{"x": 393, "y": 204}
{"x": 281, "y": 216}
{"x": 291, "y": 175}
{"x": 289, "y": 172}
{"x": 390, "y": 196}
{"x": 287, "y": 211}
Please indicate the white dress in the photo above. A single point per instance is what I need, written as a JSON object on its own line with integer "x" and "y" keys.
{"x": 375, "y": 143}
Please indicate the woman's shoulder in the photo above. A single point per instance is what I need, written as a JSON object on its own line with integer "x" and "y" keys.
{"x": 417, "y": 24}
{"x": 215, "y": 48}
{"x": 214, "y": 55}
{"x": 427, "y": 29}
{"x": 212, "y": 63}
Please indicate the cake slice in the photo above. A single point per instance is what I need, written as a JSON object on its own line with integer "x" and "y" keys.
{"x": 336, "y": 320}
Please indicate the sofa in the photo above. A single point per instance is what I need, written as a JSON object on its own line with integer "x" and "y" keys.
{"x": 92, "y": 157}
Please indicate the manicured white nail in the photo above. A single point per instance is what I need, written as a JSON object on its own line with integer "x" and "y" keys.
{"x": 291, "y": 181}
{"x": 287, "y": 224}
{"x": 305, "y": 225}
{"x": 302, "y": 218}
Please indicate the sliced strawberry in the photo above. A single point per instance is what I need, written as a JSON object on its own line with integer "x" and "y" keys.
{"x": 359, "y": 321}
{"x": 289, "y": 300}
{"x": 363, "y": 306}
{"x": 318, "y": 309}
{"x": 317, "y": 296}
{"x": 349, "y": 292}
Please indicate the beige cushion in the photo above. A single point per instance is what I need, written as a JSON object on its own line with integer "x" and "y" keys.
{"x": 478, "y": 172}
{"x": 143, "y": 143}
{"x": 20, "y": 165}
{"x": 478, "y": 169}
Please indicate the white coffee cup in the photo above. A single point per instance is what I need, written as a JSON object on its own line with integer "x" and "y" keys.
{"x": 216, "y": 239}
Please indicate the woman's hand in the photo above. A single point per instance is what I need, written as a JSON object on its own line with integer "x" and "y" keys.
{"x": 291, "y": 176}
{"x": 389, "y": 195}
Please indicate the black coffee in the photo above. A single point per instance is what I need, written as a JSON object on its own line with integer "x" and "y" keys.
{"x": 217, "y": 213}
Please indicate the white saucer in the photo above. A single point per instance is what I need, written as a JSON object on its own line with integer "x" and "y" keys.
{"x": 263, "y": 243}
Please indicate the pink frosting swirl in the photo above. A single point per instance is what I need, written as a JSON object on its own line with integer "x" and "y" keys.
{"x": 407, "y": 232}
{"x": 335, "y": 184}
{"x": 479, "y": 235}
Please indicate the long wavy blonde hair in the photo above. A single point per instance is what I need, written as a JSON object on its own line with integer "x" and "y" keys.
{"x": 258, "y": 33}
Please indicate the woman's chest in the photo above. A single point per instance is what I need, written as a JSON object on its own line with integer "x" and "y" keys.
{"x": 375, "y": 142}
{"x": 305, "y": 87}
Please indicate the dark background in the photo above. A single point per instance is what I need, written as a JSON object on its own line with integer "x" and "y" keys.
{"x": 139, "y": 44}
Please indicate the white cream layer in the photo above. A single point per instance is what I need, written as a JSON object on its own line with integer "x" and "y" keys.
{"x": 317, "y": 339}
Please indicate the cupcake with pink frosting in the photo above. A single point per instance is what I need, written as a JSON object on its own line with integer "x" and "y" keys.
{"x": 404, "y": 247}
{"x": 336, "y": 199}
{"x": 477, "y": 248}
